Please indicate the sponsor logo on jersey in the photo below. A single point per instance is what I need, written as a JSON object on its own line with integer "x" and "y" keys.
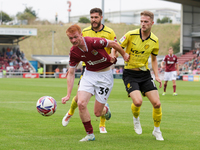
{"x": 146, "y": 46}
{"x": 137, "y": 52}
{"x": 94, "y": 52}
{"x": 170, "y": 62}
{"x": 83, "y": 56}
{"x": 97, "y": 61}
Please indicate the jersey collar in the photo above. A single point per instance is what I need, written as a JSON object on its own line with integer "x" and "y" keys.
{"x": 99, "y": 30}
{"x": 146, "y": 38}
{"x": 170, "y": 56}
{"x": 85, "y": 46}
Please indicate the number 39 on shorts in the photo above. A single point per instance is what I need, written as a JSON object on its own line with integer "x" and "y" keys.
{"x": 103, "y": 91}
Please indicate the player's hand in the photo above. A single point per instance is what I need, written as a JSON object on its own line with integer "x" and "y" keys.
{"x": 158, "y": 80}
{"x": 67, "y": 74}
{"x": 112, "y": 59}
{"x": 126, "y": 57}
{"x": 178, "y": 72}
{"x": 64, "y": 99}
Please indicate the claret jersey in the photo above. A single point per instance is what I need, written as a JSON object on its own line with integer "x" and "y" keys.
{"x": 170, "y": 63}
{"x": 105, "y": 32}
{"x": 95, "y": 58}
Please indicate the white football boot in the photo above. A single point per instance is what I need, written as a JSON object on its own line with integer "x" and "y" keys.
{"x": 89, "y": 137}
{"x": 66, "y": 119}
{"x": 137, "y": 125}
{"x": 158, "y": 135}
{"x": 108, "y": 114}
{"x": 102, "y": 129}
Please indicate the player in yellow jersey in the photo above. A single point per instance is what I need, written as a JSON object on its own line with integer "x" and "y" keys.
{"x": 140, "y": 44}
{"x": 96, "y": 29}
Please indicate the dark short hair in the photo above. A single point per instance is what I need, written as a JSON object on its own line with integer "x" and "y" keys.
{"x": 147, "y": 13}
{"x": 96, "y": 10}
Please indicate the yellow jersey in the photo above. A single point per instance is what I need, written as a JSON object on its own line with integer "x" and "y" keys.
{"x": 105, "y": 32}
{"x": 138, "y": 49}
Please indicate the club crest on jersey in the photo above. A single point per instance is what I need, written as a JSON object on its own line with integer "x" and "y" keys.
{"x": 102, "y": 42}
{"x": 146, "y": 46}
{"x": 94, "y": 52}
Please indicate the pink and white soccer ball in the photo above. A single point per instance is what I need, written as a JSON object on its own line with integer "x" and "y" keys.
{"x": 46, "y": 105}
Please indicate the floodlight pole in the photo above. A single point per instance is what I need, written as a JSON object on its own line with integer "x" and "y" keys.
{"x": 69, "y": 10}
{"x": 102, "y": 21}
{"x": 1, "y": 14}
{"x": 53, "y": 41}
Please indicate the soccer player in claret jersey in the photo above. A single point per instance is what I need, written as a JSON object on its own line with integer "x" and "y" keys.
{"x": 97, "y": 79}
{"x": 171, "y": 70}
{"x": 96, "y": 29}
{"x": 140, "y": 44}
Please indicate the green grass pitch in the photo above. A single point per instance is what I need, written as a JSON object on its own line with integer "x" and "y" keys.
{"x": 23, "y": 128}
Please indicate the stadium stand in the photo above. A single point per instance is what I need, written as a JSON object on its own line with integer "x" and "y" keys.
{"x": 189, "y": 63}
{"x": 12, "y": 60}
{"x": 187, "y": 57}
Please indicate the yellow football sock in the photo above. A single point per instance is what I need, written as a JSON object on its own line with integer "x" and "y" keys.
{"x": 102, "y": 121}
{"x": 73, "y": 106}
{"x": 157, "y": 116}
{"x": 135, "y": 110}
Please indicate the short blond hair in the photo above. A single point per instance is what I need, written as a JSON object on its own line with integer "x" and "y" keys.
{"x": 147, "y": 13}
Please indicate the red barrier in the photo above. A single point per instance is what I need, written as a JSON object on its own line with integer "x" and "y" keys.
{"x": 31, "y": 75}
{"x": 62, "y": 75}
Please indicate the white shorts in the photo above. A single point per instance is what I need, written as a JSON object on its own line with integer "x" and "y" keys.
{"x": 97, "y": 83}
{"x": 169, "y": 76}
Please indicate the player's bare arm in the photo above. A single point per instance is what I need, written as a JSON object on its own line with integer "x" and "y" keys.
{"x": 114, "y": 53}
{"x": 155, "y": 69}
{"x": 70, "y": 83}
{"x": 162, "y": 65}
{"x": 117, "y": 47}
{"x": 177, "y": 68}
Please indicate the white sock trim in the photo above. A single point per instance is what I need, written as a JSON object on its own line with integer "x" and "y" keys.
{"x": 157, "y": 129}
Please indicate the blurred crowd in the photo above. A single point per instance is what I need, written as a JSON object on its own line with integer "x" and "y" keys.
{"x": 13, "y": 60}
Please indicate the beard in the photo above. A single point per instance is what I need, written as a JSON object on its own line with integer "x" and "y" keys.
{"x": 98, "y": 25}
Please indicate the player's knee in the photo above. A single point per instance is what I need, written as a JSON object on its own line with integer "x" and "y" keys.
{"x": 157, "y": 104}
{"x": 138, "y": 103}
{"x": 97, "y": 113}
{"x": 81, "y": 105}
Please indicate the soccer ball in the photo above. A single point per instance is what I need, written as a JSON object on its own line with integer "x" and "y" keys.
{"x": 46, "y": 105}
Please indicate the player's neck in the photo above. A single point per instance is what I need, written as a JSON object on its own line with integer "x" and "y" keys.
{"x": 98, "y": 29}
{"x": 82, "y": 45}
{"x": 145, "y": 35}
